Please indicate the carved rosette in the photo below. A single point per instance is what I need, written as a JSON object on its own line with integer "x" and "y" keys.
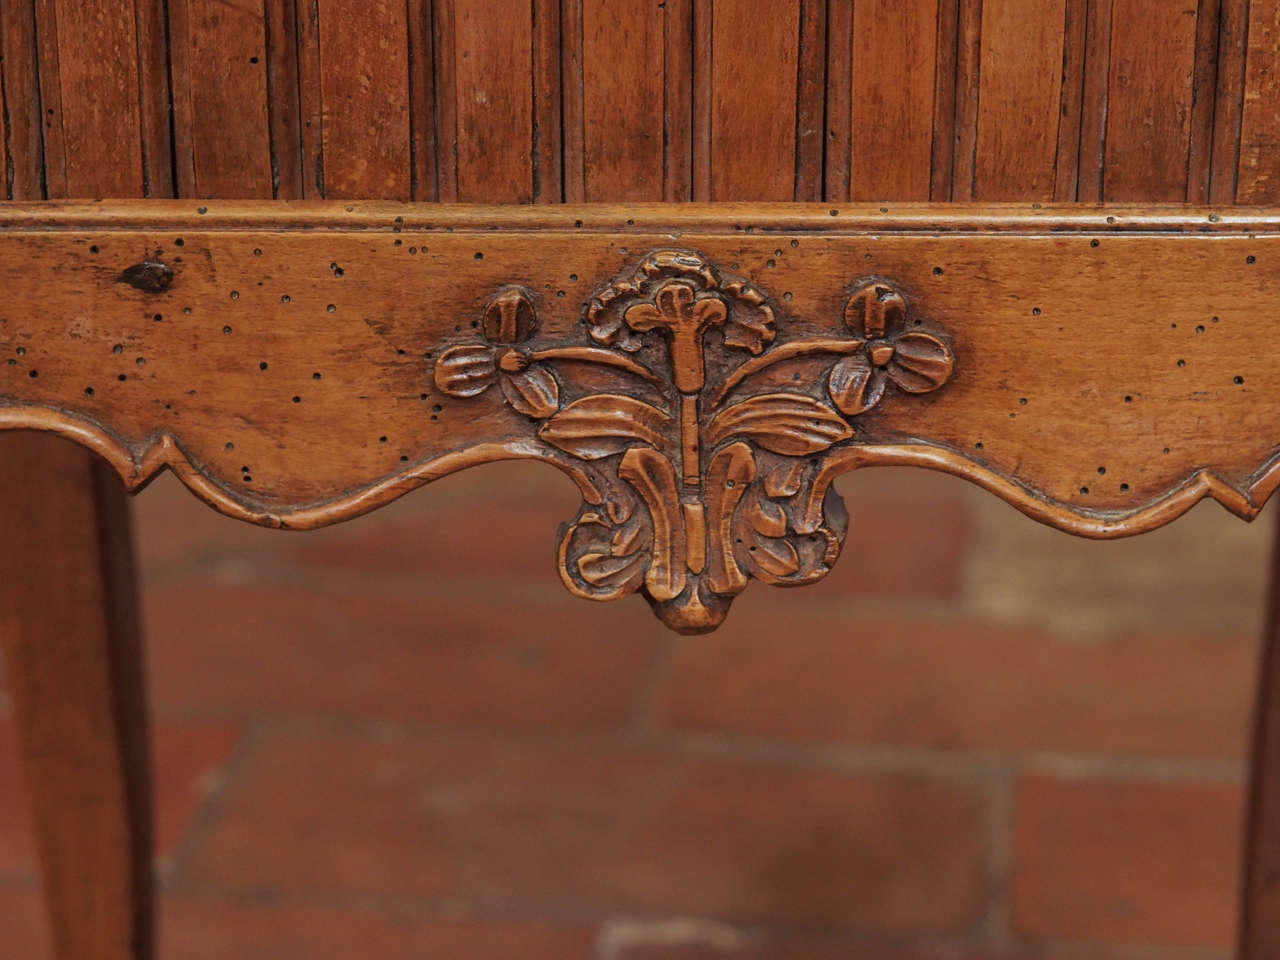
{"x": 705, "y": 468}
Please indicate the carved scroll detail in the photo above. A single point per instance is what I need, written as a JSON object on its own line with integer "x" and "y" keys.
{"x": 714, "y": 484}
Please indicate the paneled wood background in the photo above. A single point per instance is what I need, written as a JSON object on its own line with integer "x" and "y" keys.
{"x": 568, "y": 100}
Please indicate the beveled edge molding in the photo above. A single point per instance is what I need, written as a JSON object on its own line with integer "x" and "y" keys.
{"x": 166, "y": 451}
{"x": 383, "y": 217}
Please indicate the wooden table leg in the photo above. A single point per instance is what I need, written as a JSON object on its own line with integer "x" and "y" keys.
{"x": 73, "y": 664}
{"x": 1260, "y": 916}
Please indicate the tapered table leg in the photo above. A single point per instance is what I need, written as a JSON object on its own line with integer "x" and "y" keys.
{"x": 73, "y": 666}
{"x": 1260, "y": 916}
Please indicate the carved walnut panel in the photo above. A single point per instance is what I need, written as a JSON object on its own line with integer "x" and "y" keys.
{"x": 702, "y": 374}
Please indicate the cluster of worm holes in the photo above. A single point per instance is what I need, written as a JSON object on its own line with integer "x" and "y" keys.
{"x": 1181, "y": 363}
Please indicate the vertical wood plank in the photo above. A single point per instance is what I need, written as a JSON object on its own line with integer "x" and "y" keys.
{"x": 968, "y": 83}
{"x": 548, "y": 182}
{"x": 1020, "y": 99}
{"x": 894, "y": 52}
{"x": 50, "y": 99}
{"x": 154, "y": 98}
{"x": 493, "y": 61}
{"x": 839, "y": 99}
{"x": 1260, "y": 903}
{"x": 623, "y": 117}
{"x": 93, "y": 143}
{"x": 1228, "y": 103}
{"x": 1067, "y": 176}
{"x": 944, "y": 101}
{"x": 677, "y": 89}
{"x": 422, "y": 101}
{"x": 1203, "y": 85}
{"x": 284, "y": 111}
{"x": 755, "y": 53}
{"x": 446, "y": 83}
{"x": 21, "y": 100}
{"x": 220, "y": 80}
{"x": 1093, "y": 110}
{"x": 703, "y": 107}
{"x": 310, "y": 99}
{"x": 364, "y": 88}
{"x": 1149, "y": 102}
{"x": 573, "y": 98}
{"x": 811, "y": 84}
{"x": 6, "y": 177}
{"x": 1258, "y": 180}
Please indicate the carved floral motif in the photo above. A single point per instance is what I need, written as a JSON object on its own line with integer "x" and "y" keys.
{"x": 707, "y": 487}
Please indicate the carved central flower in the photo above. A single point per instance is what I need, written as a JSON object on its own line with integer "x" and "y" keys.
{"x": 687, "y": 314}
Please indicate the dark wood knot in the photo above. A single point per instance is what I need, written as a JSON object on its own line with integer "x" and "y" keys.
{"x": 149, "y": 275}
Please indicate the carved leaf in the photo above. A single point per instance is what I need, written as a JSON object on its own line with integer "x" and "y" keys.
{"x": 654, "y": 479}
{"x": 591, "y": 563}
{"x": 787, "y": 423}
{"x": 784, "y": 480}
{"x": 767, "y": 518}
{"x": 604, "y": 424}
{"x": 466, "y": 370}
{"x": 751, "y": 326}
{"x": 533, "y": 392}
{"x": 621, "y": 573}
{"x": 775, "y": 557}
{"x": 855, "y": 385}
{"x": 921, "y": 362}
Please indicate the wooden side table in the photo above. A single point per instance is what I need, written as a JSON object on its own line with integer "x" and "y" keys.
{"x": 701, "y": 371}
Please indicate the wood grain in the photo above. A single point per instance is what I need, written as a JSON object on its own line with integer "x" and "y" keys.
{"x": 21, "y": 91}
{"x": 89, "y": 90}
{"x": 1259, "y": 164}
{"x": 69, "y": 629}
{"x": 364, "y": 85}
{"x": 1020, "y": 100}
{"x": 1228, "y": 104}
{"x": 339, "y": 349}
{"x": 284, "y": 107}
{"x": 891, "y": 143}
{"x": 492, "y": 63}
{"x": 623, "y": 74}
{"x": 74, "y": 671}
{"x": 754, "y": 57}
{"x": 221, "y": 101}
{"x": 1149, "y": 104}
{"x": 1260, "y": 900}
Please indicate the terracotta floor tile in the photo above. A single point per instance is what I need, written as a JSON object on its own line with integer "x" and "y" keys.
{"x": 492, "y": 658}
{"x": 1127, "y": 862}
{"x": 221, "y": 929}
{"x": 593, "y": 828}
{"x": 824, "y": 674}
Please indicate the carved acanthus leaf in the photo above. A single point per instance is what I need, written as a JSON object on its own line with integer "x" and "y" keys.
{"x": 789, "y": 423}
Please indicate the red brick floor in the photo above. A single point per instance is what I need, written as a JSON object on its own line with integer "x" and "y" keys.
{"x": 400, "y": 738}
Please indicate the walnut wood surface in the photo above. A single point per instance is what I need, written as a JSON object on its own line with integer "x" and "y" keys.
{"x": 73, "y": 667}
{"x": 1102, "y": 370}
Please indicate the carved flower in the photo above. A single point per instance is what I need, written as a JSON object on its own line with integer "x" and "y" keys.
{"x": 679, "y": 291}
{"x": 915, "y": 361}
{"x": 469, "y": 369}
